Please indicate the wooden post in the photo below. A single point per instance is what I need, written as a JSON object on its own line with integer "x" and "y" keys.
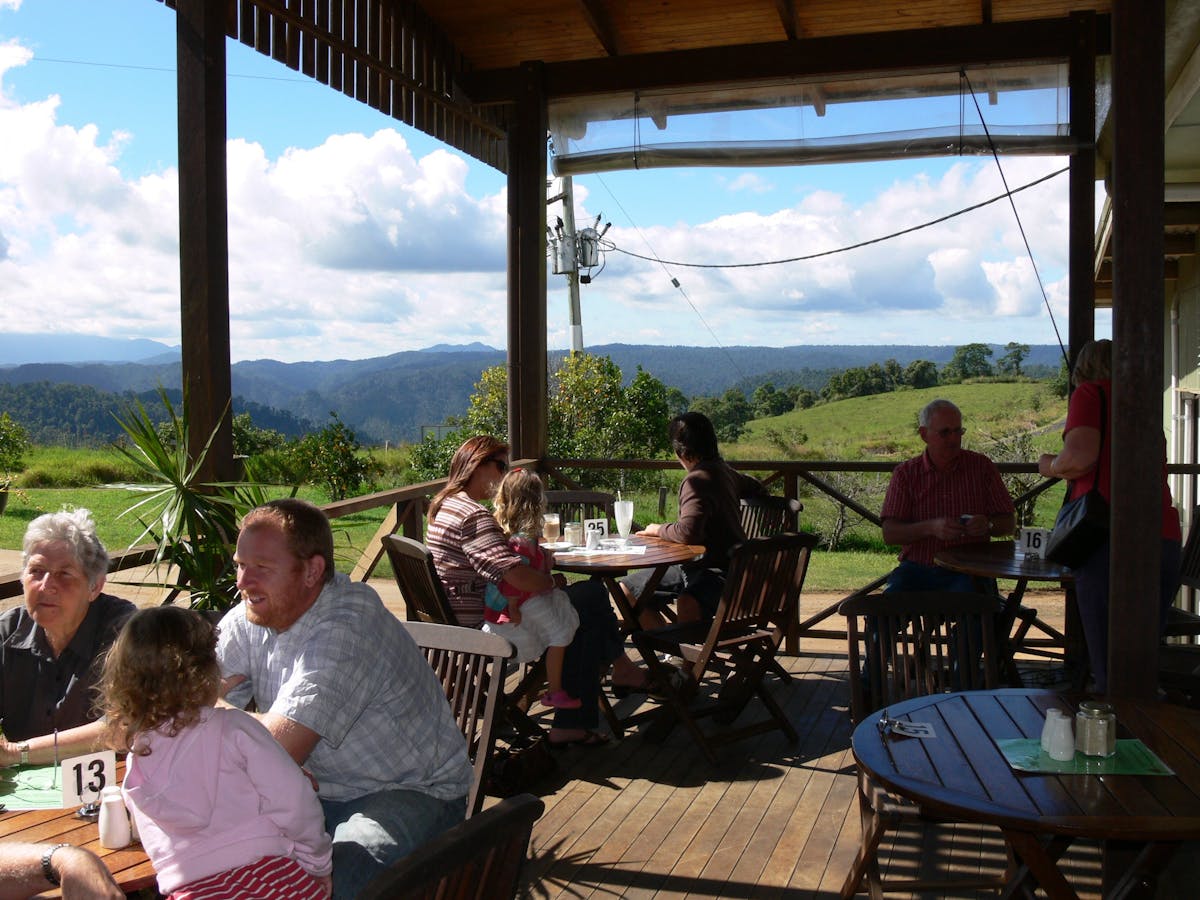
{"x": 1137, "y": 450}
{"x": 1081, "y": 315}
{"x": 527, "y": 269}
{"x": 204, "y": 232}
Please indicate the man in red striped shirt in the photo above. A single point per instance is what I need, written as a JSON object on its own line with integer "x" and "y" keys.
{"x": 945, "y": 496}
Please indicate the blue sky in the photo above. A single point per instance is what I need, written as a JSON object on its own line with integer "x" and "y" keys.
{"x": 354, "y": 236}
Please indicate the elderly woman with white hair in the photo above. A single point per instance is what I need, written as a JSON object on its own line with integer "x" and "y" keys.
{"x": 51, "y": 648}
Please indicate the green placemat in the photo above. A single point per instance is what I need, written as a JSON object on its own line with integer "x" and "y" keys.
{"x": 1132, "y": 758}
{"x": 30, "y": 787}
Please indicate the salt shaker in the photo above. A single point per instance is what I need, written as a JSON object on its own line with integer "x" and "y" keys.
{"x": 1048, "y": 729}
{"x": 1062, "y": 740}
{"x": 593, "y": 540}
{"x": 114, "y": 820}
{"x": 1095, "y": 729}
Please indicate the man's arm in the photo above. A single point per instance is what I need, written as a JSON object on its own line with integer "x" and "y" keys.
{"x": 82, "y": 875}
{"x": 298, "y": 740}
{"x": 945, "y": 528}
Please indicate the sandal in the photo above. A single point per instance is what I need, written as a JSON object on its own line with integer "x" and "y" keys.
{"x": 650, "y": 685}
{"x": 590, "y": 739}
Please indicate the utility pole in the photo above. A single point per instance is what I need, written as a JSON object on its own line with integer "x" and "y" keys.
{"x": 571, "y": 269}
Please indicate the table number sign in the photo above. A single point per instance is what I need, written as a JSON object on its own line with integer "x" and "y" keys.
{"x": 1032, "y": 542}
{"x": 598, "y": 527}
{"x": 83, "y": 777}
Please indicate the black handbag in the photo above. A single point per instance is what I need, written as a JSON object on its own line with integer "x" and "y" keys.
{"x": 1081, "y": 526}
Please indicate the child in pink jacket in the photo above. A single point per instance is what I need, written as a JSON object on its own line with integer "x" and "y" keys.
{"x": 221, "y": 808}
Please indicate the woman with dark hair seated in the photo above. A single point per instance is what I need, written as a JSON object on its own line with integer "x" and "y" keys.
{"x": 709, "y": 514}
{"x": 470, "y": 550}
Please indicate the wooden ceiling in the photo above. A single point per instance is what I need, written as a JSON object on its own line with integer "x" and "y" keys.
{"x": 499, "y": 34}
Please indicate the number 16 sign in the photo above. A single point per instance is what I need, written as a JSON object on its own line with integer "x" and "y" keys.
{"x": 83, "y": 777}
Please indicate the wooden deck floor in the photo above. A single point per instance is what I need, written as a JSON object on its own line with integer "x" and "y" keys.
{"x": 774, "y": 820}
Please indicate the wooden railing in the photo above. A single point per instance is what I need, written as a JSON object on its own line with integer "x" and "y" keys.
{"x": 406, "y": 505}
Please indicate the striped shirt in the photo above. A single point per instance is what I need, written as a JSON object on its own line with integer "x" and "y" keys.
{"x": 271, "y": 878}
{"x": 971, "y": 484}
{"x": 469, "y": 550}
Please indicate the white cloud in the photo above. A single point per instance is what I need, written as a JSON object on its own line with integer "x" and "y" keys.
{"x": 359, "y": 247}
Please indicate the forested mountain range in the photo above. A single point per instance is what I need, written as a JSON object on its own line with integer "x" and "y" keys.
{"x": 391, "y": 397}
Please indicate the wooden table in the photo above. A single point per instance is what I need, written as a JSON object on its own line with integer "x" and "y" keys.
{"x": 962, "y": 774}
{"x": 608, "y": 567}
{"x": 130, "y": 866}
{"x": 999, "y": 560}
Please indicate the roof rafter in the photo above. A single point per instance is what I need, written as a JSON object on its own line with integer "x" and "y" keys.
{"x": 601, "y": 24}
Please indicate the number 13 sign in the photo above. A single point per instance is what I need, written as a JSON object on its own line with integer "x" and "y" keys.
{"x": 83, "y": 777}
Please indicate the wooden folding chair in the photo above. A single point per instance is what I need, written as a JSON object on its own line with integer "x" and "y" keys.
{"x": 575, "y": 506}
{"x": 425, "y": 601}
{"x": 762, "y": 589}
{"x": 769, "y": 516}
{"x": 472, "y": 666}
{"x": 902, "y": 645}
{"x": 479, "y": 859}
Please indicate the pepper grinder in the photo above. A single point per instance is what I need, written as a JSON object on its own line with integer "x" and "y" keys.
{"x": 114, "y": 820}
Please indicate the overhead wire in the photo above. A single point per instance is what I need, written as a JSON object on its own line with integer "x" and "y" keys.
{"x": 876, "y": 240}
{"x": 1016, "y": 215}
{"x": 674, "y": 280}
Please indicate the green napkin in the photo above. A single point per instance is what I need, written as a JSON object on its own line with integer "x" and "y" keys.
{"x": 1132, "y": 758}
{"x": 30, "y": 787}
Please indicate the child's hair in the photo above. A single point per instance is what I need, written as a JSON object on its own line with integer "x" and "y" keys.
{"x": 161, "y": 670}
{"x": 519, "y": 503}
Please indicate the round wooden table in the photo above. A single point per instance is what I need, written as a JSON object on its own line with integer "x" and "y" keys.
{"x": 130, "y": 866}
{"x": 962, "y": 773}
{"x": 608, "y": 567}
{"x": 992, "y": 560}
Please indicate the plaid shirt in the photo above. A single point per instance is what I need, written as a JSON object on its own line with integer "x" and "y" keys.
{"x": 919, "y": 491}
{"x": 348, "y": 670}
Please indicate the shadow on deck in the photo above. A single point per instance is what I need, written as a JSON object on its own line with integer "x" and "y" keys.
{"x": 773, "y": 820}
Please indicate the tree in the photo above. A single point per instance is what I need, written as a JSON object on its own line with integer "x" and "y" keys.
{"x": 921, "y": 373}
{"x": 969, "y": 361}
{"x": 331, "y": 457}
{"x": 250, "y": 440}
{"x": 14, "y": 444}
{"x": 1010, "y": 362}
{"x": 801, "y": 397}
{"x": 589, "y": 415}
{"x": 770, "y": 402}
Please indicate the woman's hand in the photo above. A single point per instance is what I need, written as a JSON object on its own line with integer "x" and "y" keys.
{"x": 652, "y": 529}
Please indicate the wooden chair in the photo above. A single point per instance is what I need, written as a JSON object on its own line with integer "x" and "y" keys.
{"x": 575, "y": 506}
{"x": 479, "y": 859}
{"x": 1181, "y": 622}
{"x": 471, "y": 665}
{"x": 762, "y": 589}
{"x": 769, "y": 516}
{"x": 904, "y": 645}
{"x": 425, "y": 601}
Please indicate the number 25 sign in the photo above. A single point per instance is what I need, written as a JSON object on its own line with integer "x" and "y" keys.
{"x": 83, "y": 777}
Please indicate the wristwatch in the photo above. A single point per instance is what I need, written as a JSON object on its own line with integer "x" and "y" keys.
{"x": 24, "y": 748}
{"x": 47, "y": 869}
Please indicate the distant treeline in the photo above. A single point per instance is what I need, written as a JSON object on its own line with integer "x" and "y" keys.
{"x": 73, "y": 415}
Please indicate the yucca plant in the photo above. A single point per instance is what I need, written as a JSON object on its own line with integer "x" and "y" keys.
{"x": 194, "y": 524}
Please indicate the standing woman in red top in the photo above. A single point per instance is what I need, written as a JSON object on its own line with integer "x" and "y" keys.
{"x": 1084, "y": 459}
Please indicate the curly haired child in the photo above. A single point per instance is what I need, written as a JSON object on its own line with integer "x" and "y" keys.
{"x": 534, "y": 623}
{"x": 221, "y": 808}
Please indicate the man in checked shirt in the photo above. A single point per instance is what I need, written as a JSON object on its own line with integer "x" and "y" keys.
{"x": 944, "y": 497}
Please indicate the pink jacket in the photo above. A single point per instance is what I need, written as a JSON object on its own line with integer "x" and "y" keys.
{"x": 219, "y": 795}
